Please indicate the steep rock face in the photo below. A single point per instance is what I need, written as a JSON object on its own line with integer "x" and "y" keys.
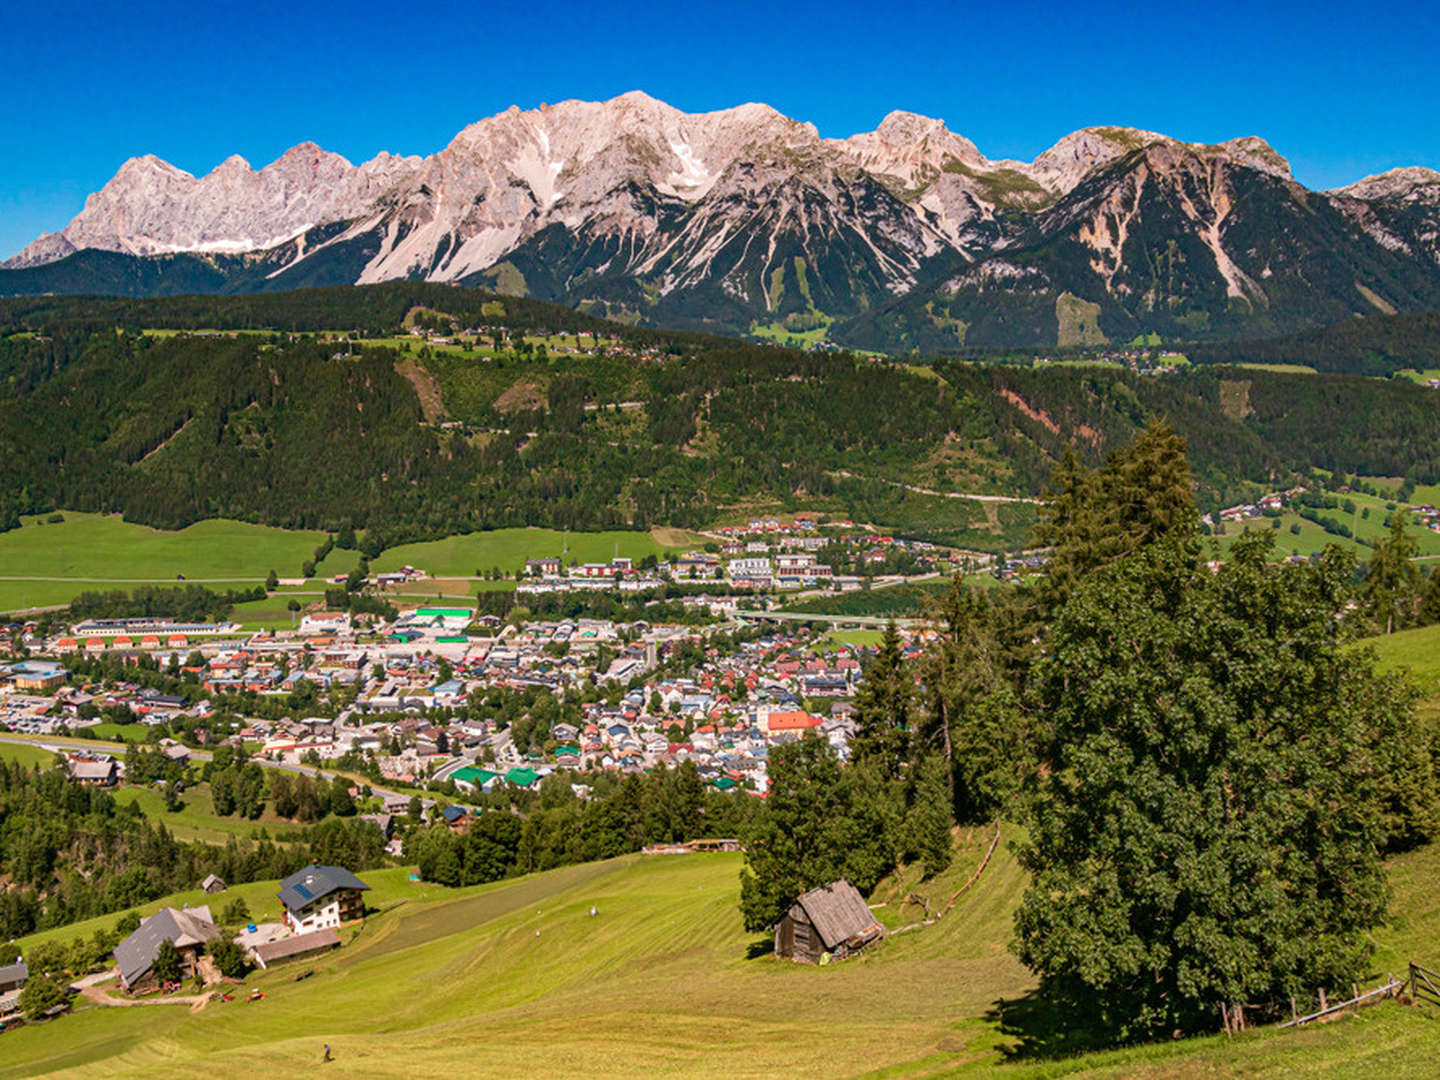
{"x": 1183, "y": 241}
{"x": 907, "y": 236}
{"x": 150, "y": 207}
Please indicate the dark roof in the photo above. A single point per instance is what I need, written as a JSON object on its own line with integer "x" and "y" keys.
{"x": 298, "y": 945}
{"x": 453, "y": 814}
{"x": 838, "y": 912}
{"x": 311, "y": 883}
{"x": 136, "y": 954}
{"x": 14, "y": 973}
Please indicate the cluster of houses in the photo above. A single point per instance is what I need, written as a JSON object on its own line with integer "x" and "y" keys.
{"x": 316, "y": 902}
{"x": 1270, "y": 503}
{"x": 1429, "y": 515}
{"x": 407, "y": 685}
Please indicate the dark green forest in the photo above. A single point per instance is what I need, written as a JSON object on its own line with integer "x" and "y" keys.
{"x": 296, "y": 428}
{"x": 1377, "y": 345}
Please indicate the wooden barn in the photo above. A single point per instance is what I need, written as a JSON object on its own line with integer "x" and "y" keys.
{"x": 831, "y": 919}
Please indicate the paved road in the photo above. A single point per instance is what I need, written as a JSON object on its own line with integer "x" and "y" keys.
{"x": 836, "y": 620}
{"x": 942, "y": 494}
{"x": 138, "y": 580}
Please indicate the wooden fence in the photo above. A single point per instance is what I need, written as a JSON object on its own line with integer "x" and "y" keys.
{"x": 932, "y": 918}
{"x": 1424, "y": 984}
{"x": 1419, "y": 984}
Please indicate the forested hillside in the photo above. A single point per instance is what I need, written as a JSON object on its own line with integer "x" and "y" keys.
{"x": 322, "y": 415}
{"x": 1374, "y": 345}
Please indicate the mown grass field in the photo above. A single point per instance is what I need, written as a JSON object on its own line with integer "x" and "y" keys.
{"x": 196, "y": 819}
{"x": 517, "y": 976}
{"x": 1417, "y": 651}
{"x": 102, "y": 551}
{"x": 462, "y": 556}
{"x": 837, "y": 639}
{"x": 48, "y": 565}
{"x": 29, "y": 756}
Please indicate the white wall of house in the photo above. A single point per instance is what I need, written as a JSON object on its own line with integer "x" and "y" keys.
{"x": 318, "y": 917}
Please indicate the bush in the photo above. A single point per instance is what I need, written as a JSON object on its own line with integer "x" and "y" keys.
{"x": 41, "y": 994}
{"x": 229, "y": 958}
{"x": 236, "y": 912}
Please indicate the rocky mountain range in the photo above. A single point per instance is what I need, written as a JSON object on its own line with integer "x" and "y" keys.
{"x": 744, "y": 220}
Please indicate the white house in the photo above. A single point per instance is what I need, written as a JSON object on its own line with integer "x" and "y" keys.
{"x": 317, "y": 897}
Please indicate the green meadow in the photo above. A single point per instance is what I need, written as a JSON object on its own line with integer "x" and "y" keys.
{"x": 196, "y": 819}
{"x": 1312, "y": 537}
{"x": 517, "y": 976}
{"x": 46, "y": 565}
{"x": 103, "y": 551}
{"x": 462, "y": 556}
{"x": 1416, "y": 651}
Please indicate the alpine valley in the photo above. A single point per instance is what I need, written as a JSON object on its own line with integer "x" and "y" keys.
{"x": 746, "y": 221}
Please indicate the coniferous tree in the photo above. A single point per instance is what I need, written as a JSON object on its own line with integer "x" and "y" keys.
{"x": 1429, "y": 608}
{"x": 882, "y": 709}
{"x": 1142, "y": 493}
{"x": 820, "y": 822}
{"x": 167, "y": 966}
{"x": 1391, "y": 578}
{"x": 928, "y": 821}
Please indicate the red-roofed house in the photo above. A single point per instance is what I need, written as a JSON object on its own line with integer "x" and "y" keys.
{"x": 790, "y": 721}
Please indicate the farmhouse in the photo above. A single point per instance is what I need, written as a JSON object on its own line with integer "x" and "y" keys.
{"x": 831, "y": 919}
{"x": 12, "y": 981}
{"x": 318, "y": 897}
{"x": 187, "y": 930}
{"x": 272, "y": 952}
{"x": 101, "y": 771}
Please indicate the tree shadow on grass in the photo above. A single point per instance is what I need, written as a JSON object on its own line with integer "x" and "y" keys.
{"x": 760, "y": 947}
{"x": 1043, "y": 1026}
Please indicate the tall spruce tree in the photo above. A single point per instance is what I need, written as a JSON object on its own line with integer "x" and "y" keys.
{"x": 820, "y": 822}
{"x": 1392, "y": 581}
{"x": 972, "y": 718}
{"x": 882, "y": 709}
{"x": 1209, "y": 827}
{"x": 1093, "y": 518}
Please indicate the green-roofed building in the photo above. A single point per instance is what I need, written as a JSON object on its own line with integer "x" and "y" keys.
{"x": 472, "y": 775}
{"x": 522, "y": 777}
{"x": 724, "y": 783}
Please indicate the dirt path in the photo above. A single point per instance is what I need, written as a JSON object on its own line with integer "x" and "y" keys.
{"x": 96, "y": 995}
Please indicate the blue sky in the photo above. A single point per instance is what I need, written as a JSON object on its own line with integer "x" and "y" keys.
{"x": 1342, "y": 90}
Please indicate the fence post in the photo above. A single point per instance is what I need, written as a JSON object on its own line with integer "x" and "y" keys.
{"x": 1323, "y": 1004}
{"x": 1294, "y": 1012}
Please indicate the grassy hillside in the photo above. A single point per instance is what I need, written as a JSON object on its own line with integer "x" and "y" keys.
{"x": 103, "y": 551}
{"x": 48, "y": 564}
{"x": 517, "y": 976}
{"x": 462, "y": 556}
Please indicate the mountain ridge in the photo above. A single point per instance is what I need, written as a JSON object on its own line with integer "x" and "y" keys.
{"x": 743, "y": 218}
